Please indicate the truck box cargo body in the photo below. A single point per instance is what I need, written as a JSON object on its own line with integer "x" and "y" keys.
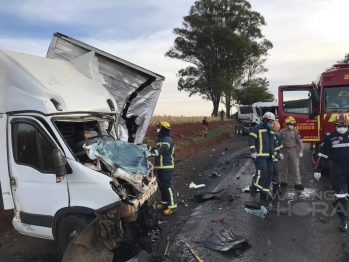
{"x": 124, "y": 80}
{"x": 62, "y": 163}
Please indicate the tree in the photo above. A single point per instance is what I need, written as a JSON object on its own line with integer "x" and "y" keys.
{"x": 345, "y": 60}
{"x": 253, "y": 91}
{"x": 217, "y": 38}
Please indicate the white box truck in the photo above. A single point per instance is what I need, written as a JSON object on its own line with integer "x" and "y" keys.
{"x": 63, "y": 162}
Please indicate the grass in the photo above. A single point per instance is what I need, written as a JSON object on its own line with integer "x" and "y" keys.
{"x": 214, "y": 132}
{"x": 183, "y": 119}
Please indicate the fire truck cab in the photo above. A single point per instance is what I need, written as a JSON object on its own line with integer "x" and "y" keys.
{"x": 316, "y": 106}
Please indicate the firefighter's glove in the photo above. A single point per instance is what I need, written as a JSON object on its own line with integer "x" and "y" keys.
{"x": 254, "y": 155}
{"x": 281, "y": 156}
{"x": 317, "y": 175}
{"x": 300, "y": 155}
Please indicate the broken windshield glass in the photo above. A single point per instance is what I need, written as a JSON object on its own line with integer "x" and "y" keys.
{"x": 128, "y": 156}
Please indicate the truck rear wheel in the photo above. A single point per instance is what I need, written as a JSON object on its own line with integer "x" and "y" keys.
{"x": 70, "y": 228}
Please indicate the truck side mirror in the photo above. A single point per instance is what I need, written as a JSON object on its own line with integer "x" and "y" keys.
{"x": 315, "y": 98}
{"x": 60, "y": 164}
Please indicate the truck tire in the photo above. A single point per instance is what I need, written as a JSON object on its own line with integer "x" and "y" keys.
{"x": 70, "y": 228}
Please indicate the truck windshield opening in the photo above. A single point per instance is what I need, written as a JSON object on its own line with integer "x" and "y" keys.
{"x": 336, "y": 98}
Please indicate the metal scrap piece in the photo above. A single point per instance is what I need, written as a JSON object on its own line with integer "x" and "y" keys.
{"x": 224, "y": 241}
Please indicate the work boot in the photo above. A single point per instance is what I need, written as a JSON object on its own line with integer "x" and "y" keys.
{"x": 253, "y": 190}
{"x": 276, "y": 190}
{"x": 344, "y": 224}
{"x": 299, "y": 187}
{"x": 161, "y": 207}
{"x": 283, "y": 184}
{"x": 169, "y": 211}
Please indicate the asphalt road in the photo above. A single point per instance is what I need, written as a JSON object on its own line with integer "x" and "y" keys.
{"x": 292, "y": 231}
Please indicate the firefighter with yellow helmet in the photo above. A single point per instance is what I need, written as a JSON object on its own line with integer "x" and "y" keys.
{"x": 292, "y": 151}
{"x": 164, "y": 165}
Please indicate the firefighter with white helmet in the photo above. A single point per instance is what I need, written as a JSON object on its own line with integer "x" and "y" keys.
{"x": 263, "y": 145}
{"x": 343, "y": 100}
{"x": 292, "y": 150}
{"x": 336, "y": 149}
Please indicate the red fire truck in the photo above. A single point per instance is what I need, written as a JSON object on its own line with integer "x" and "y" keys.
{"x": 316, "y": 106}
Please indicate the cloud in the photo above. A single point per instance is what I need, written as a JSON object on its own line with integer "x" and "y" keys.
{"x": 308, "y": 37}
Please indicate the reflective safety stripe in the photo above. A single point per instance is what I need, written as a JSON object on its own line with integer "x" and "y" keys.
{"x": 322, "y": 155}
{"x": 253, "y": 134}
{"x": 277, "y": 148}
{"x": 156, "y": 152}
{"x": 263, "y": 154}
{"x": 162, "y": 202}
{"x": 168, "y": 144}
{"x": 252, "y": 146}
{"x": 171, "y": 197}
{"x": 256, "y": 184}
{"x": 164, "y": 167}
{"x": 261, "y": 131}
{"x": 341, "y": 145}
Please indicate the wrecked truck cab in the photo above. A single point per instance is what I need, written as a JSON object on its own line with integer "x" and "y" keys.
{"x": 47, "y": 109}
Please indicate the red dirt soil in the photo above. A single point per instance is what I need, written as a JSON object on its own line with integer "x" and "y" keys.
{"x": 186, "y": 132}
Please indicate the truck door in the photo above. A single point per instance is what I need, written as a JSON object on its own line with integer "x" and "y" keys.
{"x": 302, "y": 103}
{"x": 36, "y": 194}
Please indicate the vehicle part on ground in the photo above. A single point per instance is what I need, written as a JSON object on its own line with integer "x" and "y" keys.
{"x": 192, "y": 185}
{"x": 91, "y": 244}
{"x": 224, "y": 241}
{"x": 262, "y": 212}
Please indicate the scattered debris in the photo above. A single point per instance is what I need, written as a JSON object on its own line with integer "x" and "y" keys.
{"x": 213, "y": 150}
{"x": 324, "y": 220}
{"x": 143, "y": 256}
{"x": 227, "y": 162}
{"x": 226, "y": 149}
{"x": 262, "y": 212}
{"x": 194, "y": 254}
{"x": 193, "y": 168}
{"x": 223, "y": 153}
{"x": 225, "y": 240}
{"x": 230, "y": 198}
{"x": 238, "y": 176}
{"x": 253, "y": 205}
{"x": 218, "y": 220}
{"x": 215, "y": 174}
{"x": 194, "y": 186}
{"x": 293, "y": 238}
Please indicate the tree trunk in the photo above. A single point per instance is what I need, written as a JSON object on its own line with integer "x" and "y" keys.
{"x": 215, "y": 107}
{"x": 227, "y": 109}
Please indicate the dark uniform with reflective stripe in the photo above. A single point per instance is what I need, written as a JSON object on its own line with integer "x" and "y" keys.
{"x": 164, "y": 165}
{"x": 262, "y": 140}
{"x": 336, "y": 149}
{"x": 275, "y": 178}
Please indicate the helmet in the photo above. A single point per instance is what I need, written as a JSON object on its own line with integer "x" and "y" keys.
{"x": 343, "y": 93}
{"x": 205, "y": 117}
{"x": 269, "y": 116}
{"x": 342, "y": 119}
{"x": 276, "y": 126}
{"x": 164, "y": 124}
{"x": 290, "y": 120}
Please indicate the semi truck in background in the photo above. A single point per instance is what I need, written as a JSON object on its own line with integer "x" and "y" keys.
{"x": 68, "y": 171}
{"x": 316, "y": 106}
{"x": 248, "y": 116}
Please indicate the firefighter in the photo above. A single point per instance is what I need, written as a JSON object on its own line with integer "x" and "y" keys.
{"x": 263, "y": 145}
{"x": 292, "y": 150}
{"x": 164, "y": 165}
{"x": 343, "y": 100}
{"x": 336, "y": 149}
{"x": 275, "y": 178}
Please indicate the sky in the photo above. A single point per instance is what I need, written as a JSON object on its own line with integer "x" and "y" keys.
{"x": 308, "y": 37}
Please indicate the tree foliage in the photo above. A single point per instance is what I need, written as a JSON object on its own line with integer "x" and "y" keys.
{"x": 345, "y": 59}
{"x": 218, "y": 37}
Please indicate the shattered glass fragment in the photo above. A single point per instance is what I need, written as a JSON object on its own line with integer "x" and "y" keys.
{"x": 128, "y": 156}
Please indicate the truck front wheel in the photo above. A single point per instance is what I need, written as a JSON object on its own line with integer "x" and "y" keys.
{"x": 70, "y": 228}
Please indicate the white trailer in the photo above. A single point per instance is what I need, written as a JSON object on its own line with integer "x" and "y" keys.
{"x": 249, "y": 116}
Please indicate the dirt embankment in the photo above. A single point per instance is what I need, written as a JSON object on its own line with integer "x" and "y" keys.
{"x": 189, "y": 137}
